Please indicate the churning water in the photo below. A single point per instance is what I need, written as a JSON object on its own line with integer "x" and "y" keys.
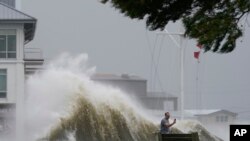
{"x": 64, "y": 104}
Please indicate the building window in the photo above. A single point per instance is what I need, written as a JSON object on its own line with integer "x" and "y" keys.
{"x": 226, "y": 118}
{"x": 3, "y": 83}
{"x": 221, "y": 118}
{"x": 217, "y": 119}
{"x": 7, "y": 43}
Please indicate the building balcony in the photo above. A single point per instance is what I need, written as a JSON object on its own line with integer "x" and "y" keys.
{"x": 33, "y": 58}
{"x": 33, "y": 54}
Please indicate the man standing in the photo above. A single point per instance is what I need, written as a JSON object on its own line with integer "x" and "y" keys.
{"x": 165, "y": 125}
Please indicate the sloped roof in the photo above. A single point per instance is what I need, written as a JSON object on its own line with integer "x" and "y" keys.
{"x": 107, "y": 76}
{"x": 11, "y": 15}
{"x": 209, "y": 112}
{"x": 11, "y": 3}
{"x": 202, "y": 112}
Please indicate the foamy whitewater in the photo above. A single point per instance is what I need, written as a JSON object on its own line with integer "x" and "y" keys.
{"x": 64, "y": 104}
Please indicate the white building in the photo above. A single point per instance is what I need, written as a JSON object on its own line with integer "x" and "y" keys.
{"x": 213, "y": 116}
{"x": 216, "y": 121}
{"x": 16, "y": 30}
{"x": 136, "y": 87}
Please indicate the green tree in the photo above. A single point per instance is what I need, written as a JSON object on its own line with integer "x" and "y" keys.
{"x": 214, "y": 23}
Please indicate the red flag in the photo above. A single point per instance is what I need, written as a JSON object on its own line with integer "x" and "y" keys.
{"x": 199, "y": 45}
{"x": 197, "y": 54}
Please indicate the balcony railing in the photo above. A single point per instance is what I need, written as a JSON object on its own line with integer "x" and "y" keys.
{"x": 33, "y": 54}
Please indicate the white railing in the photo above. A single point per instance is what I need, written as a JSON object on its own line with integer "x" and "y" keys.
{"x": 33, "y": 53}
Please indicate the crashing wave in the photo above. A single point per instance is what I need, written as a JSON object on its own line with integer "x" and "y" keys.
{"x": 71, "y": 107}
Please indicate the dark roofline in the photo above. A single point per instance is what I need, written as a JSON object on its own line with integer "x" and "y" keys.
{"x": 33, "y": 60}
{"x": 114, "y": 77}
{"x": 117, "y": 79}
{"x": 18, "y": 20}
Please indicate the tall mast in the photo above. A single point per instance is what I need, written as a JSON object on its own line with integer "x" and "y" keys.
{"x": 182, "y": 53}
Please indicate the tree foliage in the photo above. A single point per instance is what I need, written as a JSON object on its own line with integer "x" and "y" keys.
{"x": 214, "y": 23}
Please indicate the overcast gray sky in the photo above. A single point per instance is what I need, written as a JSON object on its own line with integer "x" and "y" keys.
{"x": 117, "y": 44}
